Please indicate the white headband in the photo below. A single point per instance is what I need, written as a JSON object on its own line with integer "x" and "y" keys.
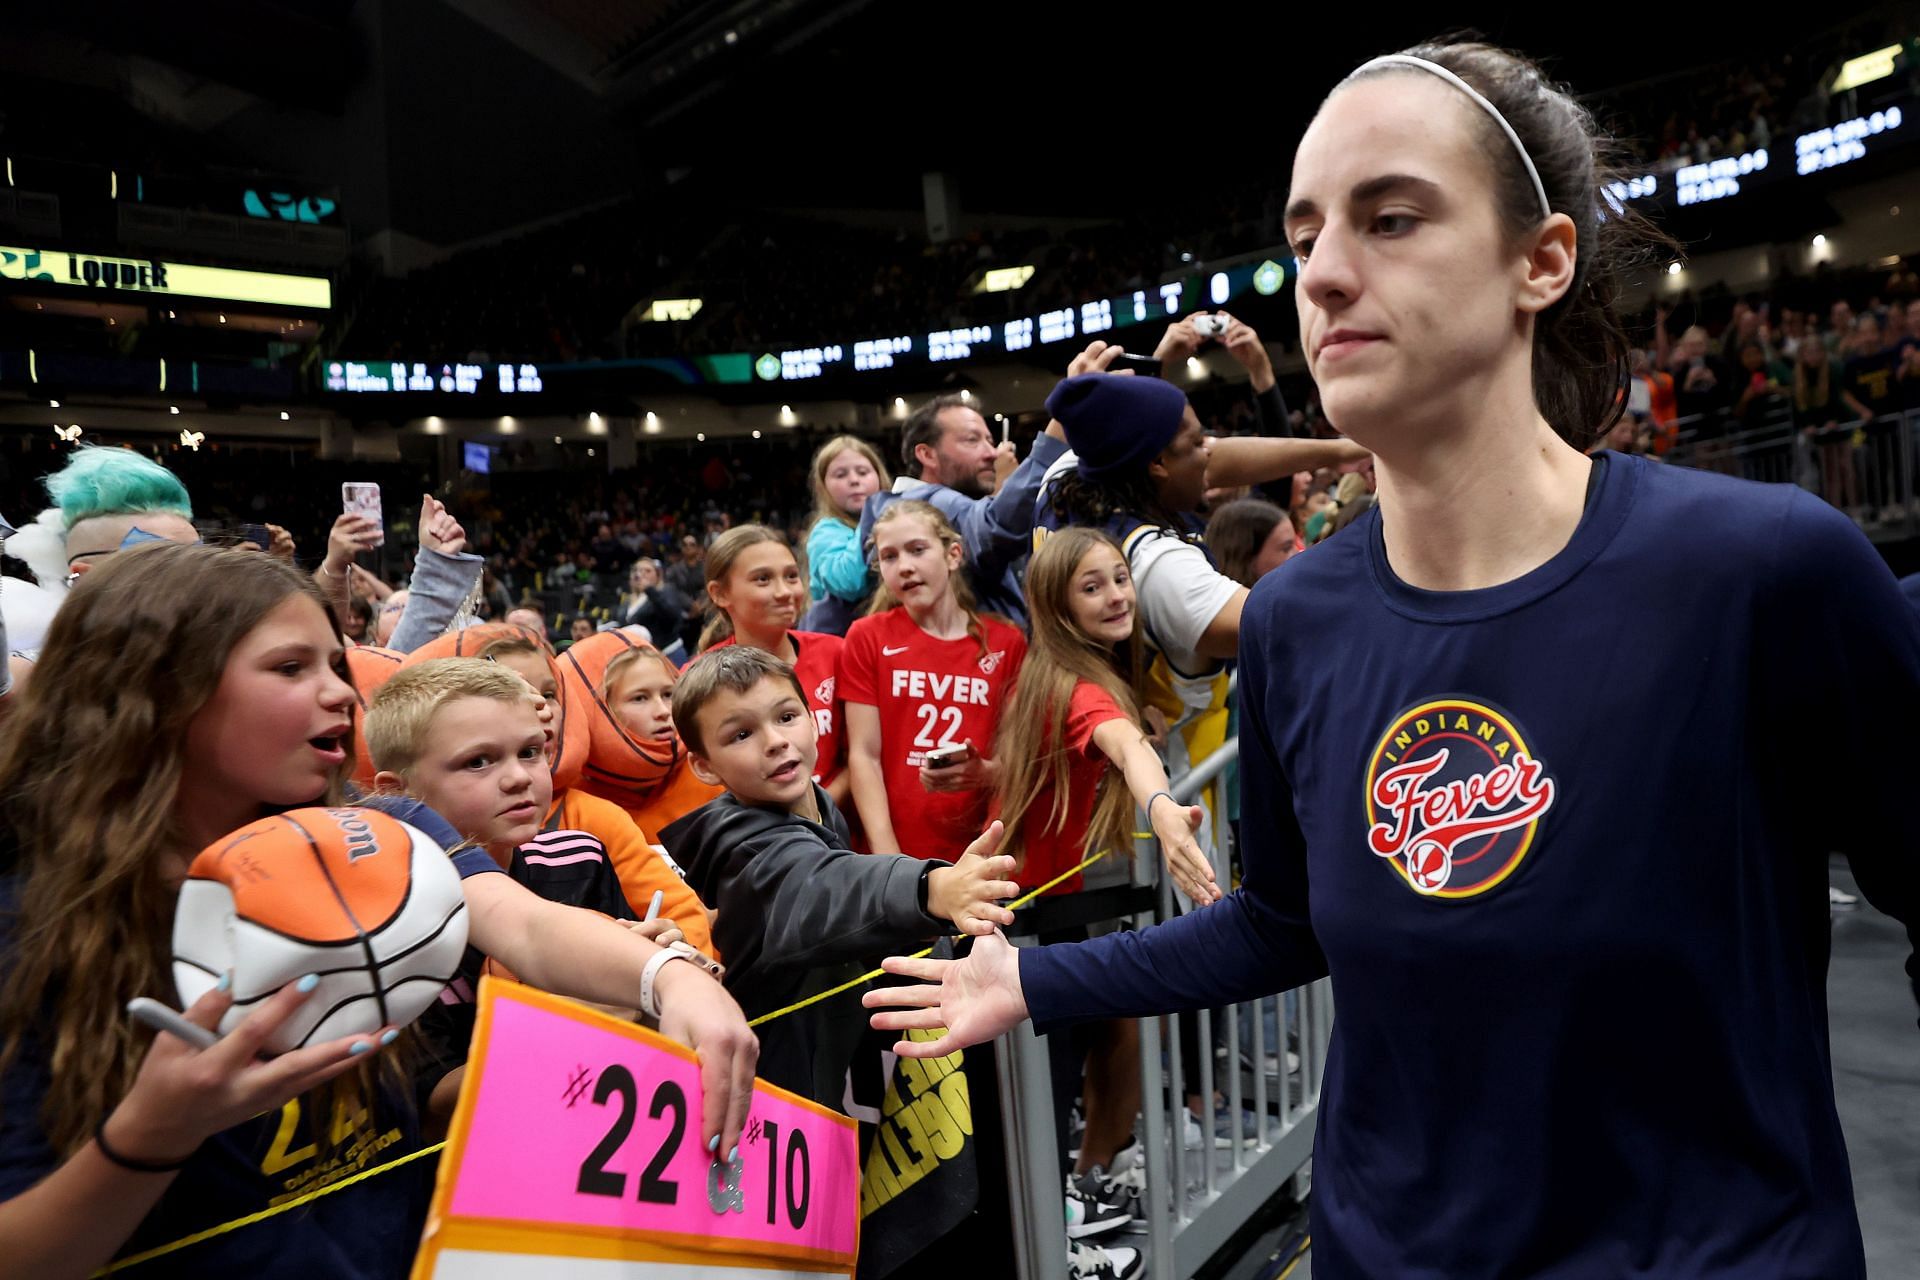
{"x": 1408, "y": 60}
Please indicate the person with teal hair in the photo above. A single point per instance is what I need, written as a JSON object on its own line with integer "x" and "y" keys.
{"x": 115, "y": 482}
{"x": 101, "y": 497}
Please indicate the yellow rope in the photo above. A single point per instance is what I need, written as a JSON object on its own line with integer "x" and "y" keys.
{"x": 362, "y": 1176}
{"x": 273, "y": 1212}
{"x": 830, "y": 992}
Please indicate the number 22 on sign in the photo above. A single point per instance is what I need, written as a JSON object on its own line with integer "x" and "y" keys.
{"x": 575, "y": 1150}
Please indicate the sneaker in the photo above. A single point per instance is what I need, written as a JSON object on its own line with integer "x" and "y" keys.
{"x": 1091, "y": 1262}
{"x": 1840, "y": 900}
{"x": 1191, "y": 1139}
{"x": 1123, "y": 1187}
{"x": 1088, "y": 1215}
{"x": 1223, "y": 1127}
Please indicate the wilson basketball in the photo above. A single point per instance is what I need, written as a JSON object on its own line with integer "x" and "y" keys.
{"x": 367, "y": 903}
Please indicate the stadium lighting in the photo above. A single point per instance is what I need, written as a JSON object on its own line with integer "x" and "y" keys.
{"x": 701, "y": 436}
{"x": 1673, "y": 268}
{"x": 756, "y": 435}
{"x": 965, "y": 394}
{"x": 1819, "y": 242}
{"x": 285, "y": 416}
{"x": 174, "y": 409}
{"x": 53, "y": 404}
{"x": 556, "y": 439}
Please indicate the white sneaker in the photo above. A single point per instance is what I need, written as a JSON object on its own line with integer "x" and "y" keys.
{"x": 1839, "y": 900}
{"x": 1091, "y": 1262}
{"x": 1087, "y": 1215}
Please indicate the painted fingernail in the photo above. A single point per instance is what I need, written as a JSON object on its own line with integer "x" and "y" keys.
{"x": 713, "y": 1145}
{"x": 225, "y": 983}
{"x": 358, "y": 1046}
{"x": 733, "y": 1156}
{"x": 307, "y": 983}
{"x": 388, "y": 1037}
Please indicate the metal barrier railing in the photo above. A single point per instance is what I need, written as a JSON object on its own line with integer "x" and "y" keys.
{"x": 1865, "y": 469}
{"x": 1198, "y": 1193}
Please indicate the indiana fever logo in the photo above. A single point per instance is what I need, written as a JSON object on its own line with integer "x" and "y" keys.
{"x": 1454, "y": 798}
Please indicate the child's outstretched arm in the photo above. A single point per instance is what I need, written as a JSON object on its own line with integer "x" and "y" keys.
{"x": 583, "y": 954}
{"x": 1122, "y": 742}
{"x": 969, "y": 892}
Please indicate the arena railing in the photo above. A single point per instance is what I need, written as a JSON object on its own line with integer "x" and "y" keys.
{"x": 1865, "y": 469}
{"x": 1266, "y": 1063}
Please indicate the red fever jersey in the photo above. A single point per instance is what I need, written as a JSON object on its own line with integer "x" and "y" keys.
{"x": 929, "y": 693}
{"x": 1051, "y": 850}
{"x": 816, "y": 662}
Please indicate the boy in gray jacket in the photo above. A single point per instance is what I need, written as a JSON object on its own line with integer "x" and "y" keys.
{"x": 797, "y": 910}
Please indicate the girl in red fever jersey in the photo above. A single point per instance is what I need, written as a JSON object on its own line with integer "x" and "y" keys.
{"x": 923, "y": 677}
{"x": 758, "y": 589}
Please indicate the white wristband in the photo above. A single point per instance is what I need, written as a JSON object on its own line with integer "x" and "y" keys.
{"x": 649, "y": 998}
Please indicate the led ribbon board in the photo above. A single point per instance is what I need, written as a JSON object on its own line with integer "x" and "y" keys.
{"x": 148, "y": 275}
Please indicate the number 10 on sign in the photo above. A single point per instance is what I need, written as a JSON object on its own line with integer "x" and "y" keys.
{"x": 576, "y": 1138}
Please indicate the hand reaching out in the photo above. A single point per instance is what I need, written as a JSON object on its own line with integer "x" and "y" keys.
{"x": 969, "y": 892}
{"x": 1175, "y": 825}
{"x": 975, "y": 999}
{"x": 281, "y": 547}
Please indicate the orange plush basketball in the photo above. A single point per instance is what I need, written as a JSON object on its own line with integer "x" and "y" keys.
{"x": 370, "y": 905}
{"x": 568, "y": 755}
{"x": 619, "y": 765}
{"x": 370, "y": 667}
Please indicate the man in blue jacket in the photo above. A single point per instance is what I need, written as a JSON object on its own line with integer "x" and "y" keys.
{"x": 950, "y": 458}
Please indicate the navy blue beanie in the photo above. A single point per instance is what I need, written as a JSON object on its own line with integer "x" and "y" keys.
{"x": 1117, "y": 424}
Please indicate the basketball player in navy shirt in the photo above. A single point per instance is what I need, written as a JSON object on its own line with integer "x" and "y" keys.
{"x": 1544, "y": 755}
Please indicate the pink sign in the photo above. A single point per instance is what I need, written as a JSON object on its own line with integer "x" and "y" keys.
{"x": 579, "y": 1120}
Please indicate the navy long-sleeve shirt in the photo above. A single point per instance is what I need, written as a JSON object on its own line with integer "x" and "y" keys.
{"x": 1561, "y": 844}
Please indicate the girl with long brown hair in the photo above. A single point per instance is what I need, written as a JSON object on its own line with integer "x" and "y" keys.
{"x": 923, "y": 676}
{"x": 1075, "y": 763}
{"x": 184, "y": 691}
{"x": 1075, "y": 760}
{"x": 757, "y": 588}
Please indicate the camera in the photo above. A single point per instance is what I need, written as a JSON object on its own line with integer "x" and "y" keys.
{"x": 1210, "y": 326}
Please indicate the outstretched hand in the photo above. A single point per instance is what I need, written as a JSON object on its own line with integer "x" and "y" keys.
{"x": 975, "y": 999}
{"x": 1175, "y": 825}
{"x": 970, "y": 891}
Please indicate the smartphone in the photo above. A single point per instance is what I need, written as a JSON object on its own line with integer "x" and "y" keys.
{"x": 358, "y": 498}
{"x": 1145, "y": 365}
{"x": 947, "y": 757}
{"x": 258, "y": 535}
